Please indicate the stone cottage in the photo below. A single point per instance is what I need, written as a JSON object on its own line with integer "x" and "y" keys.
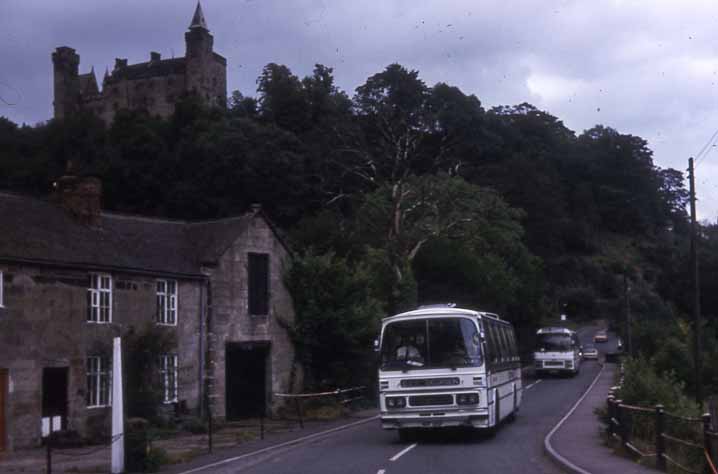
{"x": 72, "y": 277}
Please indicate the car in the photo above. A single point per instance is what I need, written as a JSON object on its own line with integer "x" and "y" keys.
{"x": 590, "y": 352}
{"x": 600, "y": 337}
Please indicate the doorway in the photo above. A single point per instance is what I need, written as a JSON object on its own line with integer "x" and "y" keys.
{"x": 247, "y": 369}
{"x": 3, "y": 404}
{"x": 54, "y": 399}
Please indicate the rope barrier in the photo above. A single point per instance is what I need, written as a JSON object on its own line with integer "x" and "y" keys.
{"x": 710, "y": 462}
{"x": 679, "y": 465}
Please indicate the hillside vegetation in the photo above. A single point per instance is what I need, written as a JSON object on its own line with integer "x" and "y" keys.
{"x": 405, "y": 193}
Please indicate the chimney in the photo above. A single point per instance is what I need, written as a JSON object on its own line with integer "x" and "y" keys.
{"x": 120, "y": 63}
{"x": 155, "y": 56}
{"x": 80, "y": 197}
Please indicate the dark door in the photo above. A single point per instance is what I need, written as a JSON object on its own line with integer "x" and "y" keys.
{"x": 246, "y": 372}
{"x": 3, "y": 403}
{"x": 54, "y": 394}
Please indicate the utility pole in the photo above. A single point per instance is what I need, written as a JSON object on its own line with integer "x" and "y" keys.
{"x": 696, "y": 288}
{"x": 626, "y": 290}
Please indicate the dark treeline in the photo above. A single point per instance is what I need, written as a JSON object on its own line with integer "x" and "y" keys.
{"x": 404, "y": 194}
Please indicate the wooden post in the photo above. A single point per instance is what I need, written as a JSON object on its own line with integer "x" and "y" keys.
{"x": 609, "y": 405}
{"x": 706, "y": 435}
{"x": 261, "y": 426}
{"x": 48, "y": 448}
{"x": 622, "y": 432}
{"x": 299, "y": 412}
{"x": 660, "y": 442}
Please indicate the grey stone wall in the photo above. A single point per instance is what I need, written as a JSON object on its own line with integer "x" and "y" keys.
{"x": 231, "y": 321}
{"x": 44, "y": 324}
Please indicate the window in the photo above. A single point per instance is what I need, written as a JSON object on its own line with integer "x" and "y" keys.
{"x": 166, "y": 302}
{"x": 258, "y": 284}
{"x": 99, "y": 299}
{"x": 99, "y": 378}
{"x": 168, "y": 377}
{"x": 2, "y": 284}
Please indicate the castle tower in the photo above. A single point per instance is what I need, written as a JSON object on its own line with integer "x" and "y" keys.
{"x": 199, "y": 55}
{"x": 66, "y": 81}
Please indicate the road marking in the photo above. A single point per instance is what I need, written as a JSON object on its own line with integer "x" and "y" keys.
{"x": 380, "y": 471}
{"x": 403, "y": 452}
{"x": 547, "y": 440}
{"x": 536, "y": 382}
{"x": 281, "y": 445}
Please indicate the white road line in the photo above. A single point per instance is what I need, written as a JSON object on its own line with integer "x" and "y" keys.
{"x": 281, "y": 445}
{"x": 403, "y": 452}
{"x": 536, "y": 382}
{"x": 380, "y": 471}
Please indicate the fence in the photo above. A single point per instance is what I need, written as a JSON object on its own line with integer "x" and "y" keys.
{"x": 340, "y": 395}
{"x": 677, "y": 443}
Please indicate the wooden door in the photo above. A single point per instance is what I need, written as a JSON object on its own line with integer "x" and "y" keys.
{"x": 3, "y": 404}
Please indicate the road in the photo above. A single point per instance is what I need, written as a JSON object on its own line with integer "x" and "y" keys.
{"x": 367, "y": 449}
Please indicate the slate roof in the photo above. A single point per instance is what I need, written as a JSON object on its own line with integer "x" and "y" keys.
{"x": 39, "y": 231}
{"x": 164, "y": 67}
{"x": 88, "y": 84}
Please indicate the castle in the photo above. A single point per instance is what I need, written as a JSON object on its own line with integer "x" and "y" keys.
{"x": 154, "y": 86}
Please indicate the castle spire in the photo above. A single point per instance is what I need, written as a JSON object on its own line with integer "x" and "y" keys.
{"x": 198, "y": 20}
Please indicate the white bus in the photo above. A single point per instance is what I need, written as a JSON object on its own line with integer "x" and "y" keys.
{"x": 444, "y": 366}
{"x": 558, "y": 350}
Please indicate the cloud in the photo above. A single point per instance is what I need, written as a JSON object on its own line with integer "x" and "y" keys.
{"x": 648, "y": 70}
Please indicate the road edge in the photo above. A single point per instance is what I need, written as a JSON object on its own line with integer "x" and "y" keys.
{"x": 561, "y": 461}
{"x": 285, "y": 444}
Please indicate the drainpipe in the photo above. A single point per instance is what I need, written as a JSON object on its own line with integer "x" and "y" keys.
{"x": 200, "y": 381}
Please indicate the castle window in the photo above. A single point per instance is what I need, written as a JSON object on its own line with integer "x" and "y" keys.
{"x": 99, "y": 380}
{"x": 99, "y": 299}
{"x": 167, "y": 302}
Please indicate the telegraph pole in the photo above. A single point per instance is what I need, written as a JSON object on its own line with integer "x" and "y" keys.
{"x": 696, "y": 288}
{"x": 626, "y": 290}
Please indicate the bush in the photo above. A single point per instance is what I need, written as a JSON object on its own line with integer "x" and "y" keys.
{"x": 643, "y": 385}
{"x": 156, "y": 457}
{"x": 194, "y": 425}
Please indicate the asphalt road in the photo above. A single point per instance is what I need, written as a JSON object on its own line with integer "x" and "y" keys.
{"x": 517, "y": 447}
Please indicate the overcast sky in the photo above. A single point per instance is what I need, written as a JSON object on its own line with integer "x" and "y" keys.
{"x": 646, "y": 68}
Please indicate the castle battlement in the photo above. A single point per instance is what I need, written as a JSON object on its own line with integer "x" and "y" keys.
{"x": 155, "y": 85}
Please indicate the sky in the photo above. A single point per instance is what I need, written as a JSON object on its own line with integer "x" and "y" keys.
{"x": 646, "y": 68}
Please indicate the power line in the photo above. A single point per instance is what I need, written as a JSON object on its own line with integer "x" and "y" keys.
{"x": 707, "y": 147}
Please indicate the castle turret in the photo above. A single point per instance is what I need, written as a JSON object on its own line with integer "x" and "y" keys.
{"x": 199, "y": 53}
{"x": 66, "y": 81}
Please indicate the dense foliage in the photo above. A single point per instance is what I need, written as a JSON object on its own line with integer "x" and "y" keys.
{"x": 404, "y": 194}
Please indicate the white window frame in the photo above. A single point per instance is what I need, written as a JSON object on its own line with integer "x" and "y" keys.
{"x": 99, "y": 307}
{"x": 168, "y": 377}
{"x": 99, "y": 382}
{"x": 2, "y": 286}
{"x": 166, "y": 314}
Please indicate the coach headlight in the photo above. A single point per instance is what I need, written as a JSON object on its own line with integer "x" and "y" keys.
{"x": 395, "y": 402}
{"x": 467, "y": 399}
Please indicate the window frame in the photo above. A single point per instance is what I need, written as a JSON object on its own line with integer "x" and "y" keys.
{"x": 95, "y": 297}
{"x": 167, "y": 302}
{"x": 169, "y": 369}
{"x": 2, "y": 288}
{"x": 94, "y": 375}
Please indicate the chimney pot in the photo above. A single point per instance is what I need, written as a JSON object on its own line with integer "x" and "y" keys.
{"x": 155, "y": 56}
{"x": 80, "y": 197}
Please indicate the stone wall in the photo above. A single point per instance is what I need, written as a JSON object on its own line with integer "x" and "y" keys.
{"x": 44, "y": 324}
{"x": 232, "y": 323}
